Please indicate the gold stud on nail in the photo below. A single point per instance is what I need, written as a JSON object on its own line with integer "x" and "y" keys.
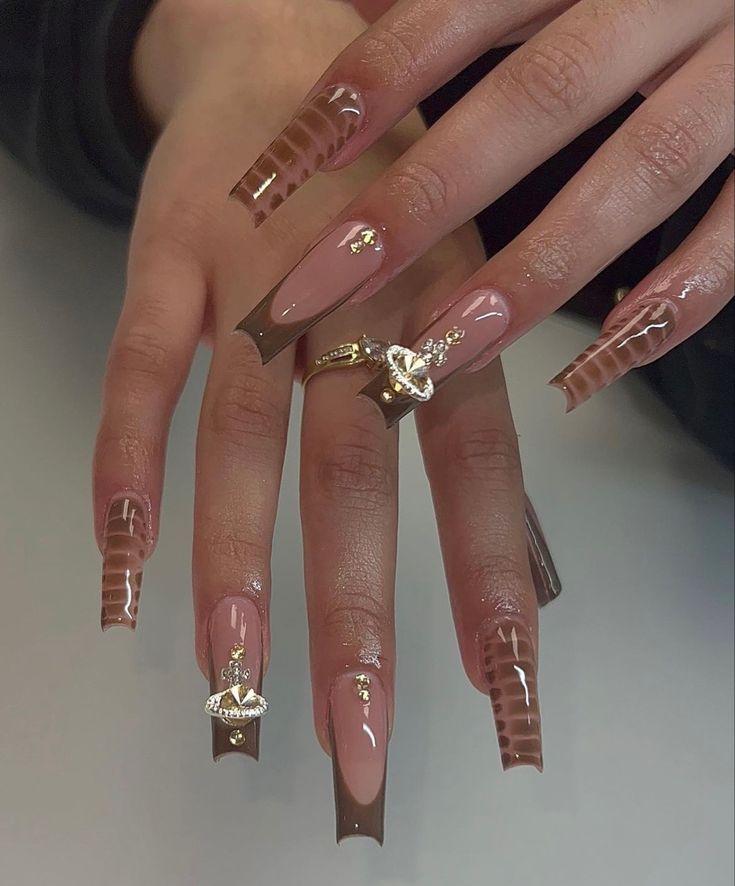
{"x": 387, "y": 396}
{"x": 362, "y": 684}
{"x": 237, "y": 653}
{"x": 237, "y": 738}
{"x": 454, "y": 336}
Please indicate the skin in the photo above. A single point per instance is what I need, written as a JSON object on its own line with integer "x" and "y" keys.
{"x": 196, "y": 267}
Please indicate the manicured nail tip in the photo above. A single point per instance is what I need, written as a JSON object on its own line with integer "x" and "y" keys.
{"x": 330, "y": 273}
{"x": 631, "y": 342}
{"x": 125, "y": 539}
{"x": 522, "y": 761}
{"x": 393, "y": 406}
{"x": 235, "y": 624}
{"x": 319, "y": 129}
{"x": 508, "y": 660}
{"x": 358, "y": 737}
{"x": 546, "y": 581}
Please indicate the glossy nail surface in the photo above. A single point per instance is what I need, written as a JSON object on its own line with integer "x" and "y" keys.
{"x": 476, "y": 322}
{"x": 125, "y": 541}
{"x": 235, "y": 622}
{"x": 326, "y": 276}
{"x": 631, "y": 342}
{"x": 358, "y": 733}
{"x": 320, "y": 129}
{"x": 543, "y": 571}
{"x": 508, "y": 661}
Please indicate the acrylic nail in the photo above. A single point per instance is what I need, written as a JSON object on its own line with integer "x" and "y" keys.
{"x": 632, "y": 341}
{"x": 124, "y": 549}
{"x": 236, "y": 659}
{"x": 543, "y": 571}
{"x": 508, "y": 661}
{"x": 318, "y": 131}
{"x": 451, "y": 343}
{"x": 358, "y": 735}
{"x": 332, "y": 271}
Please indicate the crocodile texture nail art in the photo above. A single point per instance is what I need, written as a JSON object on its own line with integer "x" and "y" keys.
{"x": 318, "y": 131}
{"x": 508, "y": 661}
{"x": 124, "y": 551}
{"x": 632, "y": 341}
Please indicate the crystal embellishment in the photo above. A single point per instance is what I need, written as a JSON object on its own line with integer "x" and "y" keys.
{"x": 239, "y": 703}
{"x": 409, "y": 373}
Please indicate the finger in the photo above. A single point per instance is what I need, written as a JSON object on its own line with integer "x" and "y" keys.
{"x": 534, "y": 102}
{"x": 349, "y": 517}
{"x": 471, "y": 455}
{"x": 411, "y": 50}
{"x": 148, "y": 363}
{"x": 648, "y": 168}
{"x": 239, "y": 458}
{"x": 675, "y": 300}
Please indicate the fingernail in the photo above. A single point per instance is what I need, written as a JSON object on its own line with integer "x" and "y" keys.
{"x": 125, "y": 540}
{"x": 358, "y": 734}
{"x": 236, "y": 660}
{"x": 631, "y": 342}
{"x": 508, "y": 661}
{"x": 326, "y": 276}
{"x": 545, "y": 577}
{"x": 451, "y": 343}
{"x": 320, "y": 129}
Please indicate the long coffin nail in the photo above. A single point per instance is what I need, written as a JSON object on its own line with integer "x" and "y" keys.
{"x": 509, "y": 663}
{"x": 235, "y": 677}
{"x": 358, "y": 734}
{"x": 451, "y": 343}
{"x": 326, "y": 276}
{"x": 320, "y": 129}
{"x": 545, "y": 577}
{"x": 125, "y": 542}
{"x": 631, "y": 342}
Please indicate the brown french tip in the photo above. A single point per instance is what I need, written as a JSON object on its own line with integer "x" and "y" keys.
{"x": 358, "y": 737}
{"x": 125, "y": 539}
{"x": 543, "y": 571}
{"x": 236, "y": 659}
{"x": 330, "y": 273}
{"x": 508, "y": 660}
{"x": 320, "y": 128}
{"x": 631, "y": 342}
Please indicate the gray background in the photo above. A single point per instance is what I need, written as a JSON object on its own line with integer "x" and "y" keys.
{"x": 97, "y": 787}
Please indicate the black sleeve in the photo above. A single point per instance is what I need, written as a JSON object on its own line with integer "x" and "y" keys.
{"x": 67, "y": 109}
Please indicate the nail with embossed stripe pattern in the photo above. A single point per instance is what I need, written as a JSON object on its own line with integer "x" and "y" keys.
{"x": 126, "y": 538}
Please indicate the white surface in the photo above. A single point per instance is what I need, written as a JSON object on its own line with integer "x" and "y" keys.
{"x": 636, "y": 681}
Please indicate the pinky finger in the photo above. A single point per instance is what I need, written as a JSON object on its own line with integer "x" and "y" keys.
{"x": 675, "y": 300}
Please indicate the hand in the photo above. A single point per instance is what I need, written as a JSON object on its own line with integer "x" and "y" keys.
{"x": 194, "y": 268}
{"x": 573, "y": 71}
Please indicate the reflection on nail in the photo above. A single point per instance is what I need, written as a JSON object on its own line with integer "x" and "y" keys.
{"x": 450, "y": 344}
{"x": 332, "y": 271}
{"x": 235, "y": 677}
{"x": 358, "y": 735}
{"x": 320, "y": 129}
{"x": 545, "y": 577}
{"x": 630, "y": 342}
{"x": 508, "y": 660}
{"x": 123, "y": 554}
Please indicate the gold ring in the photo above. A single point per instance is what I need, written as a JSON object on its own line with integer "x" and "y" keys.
{"x": 366, "y": 351}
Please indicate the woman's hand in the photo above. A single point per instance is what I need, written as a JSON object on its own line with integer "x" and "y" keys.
{"x": 195, "y": 267}
{"x": 573, "y": 71}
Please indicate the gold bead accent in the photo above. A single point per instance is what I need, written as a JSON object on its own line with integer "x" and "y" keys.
{"x": 620, "y": 294}
{"x": 237, "y": 653}
{"x": 364, "y": 696}
{"x": 368, "y": 237}
{"x": 387, "y": 396}
{"x": 454, "y": 336}
{"x": 237, "y": 738}
{"x": 362, "y": 682}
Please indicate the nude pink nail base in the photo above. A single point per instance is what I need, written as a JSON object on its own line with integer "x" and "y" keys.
{"x": 475, "y": 323}
{"x": 329, "y": 274}
{"x": 358, "y": 735}
{"x": 235, "y": 621}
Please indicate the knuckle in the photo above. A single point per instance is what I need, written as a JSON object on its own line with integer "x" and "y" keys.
{"x": 245, "y": 407}
{"x": 425, "y": 191}
{"x": 389, "y": 53}
{"x": 237, "y": 544}
{"x": 554, "y": 78}
{"x": 182, "y": 228}
{"x": 355, "y": 618}
{"x": 486, "y": 454}
{"x": 140, "y": 354}
{"x": 352, "y": 470}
